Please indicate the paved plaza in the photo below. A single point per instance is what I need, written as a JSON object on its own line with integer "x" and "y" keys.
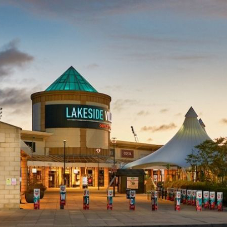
{"x": 73, "y": 215}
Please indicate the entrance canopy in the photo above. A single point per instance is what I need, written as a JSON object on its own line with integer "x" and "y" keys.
{"x": 176, "y": 150}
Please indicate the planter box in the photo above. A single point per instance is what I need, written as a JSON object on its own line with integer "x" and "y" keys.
{"x": 29, "y": 196}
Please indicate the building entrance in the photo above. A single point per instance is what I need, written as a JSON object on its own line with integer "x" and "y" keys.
{"x": 52, "y": 179}
{"x": 67, "y": 179}
{"x": 101, "y": 178}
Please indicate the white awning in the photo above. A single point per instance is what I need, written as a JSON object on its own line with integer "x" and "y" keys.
{"x": 178, "y": 148}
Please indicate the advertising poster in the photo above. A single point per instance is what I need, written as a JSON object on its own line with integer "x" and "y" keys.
{"x": 189, "y": 194}
{"x": 220, "y": 201}
{"x": 14, "y": 181}
{"x": 199, "y": 200}
{"x": 183, "y": 195}
{"x": 193, "y": 197}
{"x": 206, "y": 197}
{"x": 133, "y": 182}
{"x": 84, "y": 181}
{"x": 212, "y": 200}
{"x": 177, "y": 200}
{"x": 110, "y": 193}
{"x": 8, "y": 181}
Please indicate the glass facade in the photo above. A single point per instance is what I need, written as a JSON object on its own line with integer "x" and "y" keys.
{"x": 71, "y": 80}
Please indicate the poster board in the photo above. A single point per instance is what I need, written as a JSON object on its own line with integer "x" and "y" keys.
{"x": 133, "y": 182}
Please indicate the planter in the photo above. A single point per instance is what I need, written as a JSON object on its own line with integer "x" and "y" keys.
{"x": 29, "y": 196}
{"x": 41, "y": 194}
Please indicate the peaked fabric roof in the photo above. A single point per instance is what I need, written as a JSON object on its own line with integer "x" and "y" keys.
{"x": 71, "y": 80}
{"x": 176, "y": 150}
{"x": 202, "y": 123}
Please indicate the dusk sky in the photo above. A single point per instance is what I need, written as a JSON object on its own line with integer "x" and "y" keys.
{"x": 155, "y": 58}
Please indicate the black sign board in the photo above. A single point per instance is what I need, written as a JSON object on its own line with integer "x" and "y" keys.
{"x": 77, "y": 116}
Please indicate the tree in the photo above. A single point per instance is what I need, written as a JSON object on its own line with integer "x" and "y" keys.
{"x": 210, "y": 157}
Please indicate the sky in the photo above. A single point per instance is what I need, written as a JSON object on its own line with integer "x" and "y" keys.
{"x": 155, "y": 58}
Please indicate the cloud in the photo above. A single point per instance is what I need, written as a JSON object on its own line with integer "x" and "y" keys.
{"x": 224, "y": 121}
{"x": 91, "y": 10}
{"x": 115, "y": 88}
{"x": 14, "y": 97}
{"x": 178, "y": 114}
{"x": 11, "y": 57}
{"x": 164, "y": 110}
{"x": 159, "y": 128}
{"x": 143, "y": 113}
{"x": 120, "y": 104}
{"x": 149, "y": 140}
{"x": 192, "y": 57}
{"x": 92, "y": 66}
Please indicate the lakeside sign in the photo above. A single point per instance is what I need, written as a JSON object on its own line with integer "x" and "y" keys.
{"x": 77, "y": 116}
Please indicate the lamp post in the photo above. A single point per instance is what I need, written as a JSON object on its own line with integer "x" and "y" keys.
{"x": 0, "y": 113}
{"x": 64, "y": 141}
{"x": 114, "y": 141}
{"x": 98, "y": 151}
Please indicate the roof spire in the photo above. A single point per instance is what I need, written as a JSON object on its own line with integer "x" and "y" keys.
{"x": 191, "y": 113}
{"x": 71, "y": 80}
{"x": 202, "y": 123}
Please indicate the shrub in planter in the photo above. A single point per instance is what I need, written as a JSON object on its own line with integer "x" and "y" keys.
{"x": 30, "y": 192}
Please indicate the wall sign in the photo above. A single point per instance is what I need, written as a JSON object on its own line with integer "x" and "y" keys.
{"x": 127, "y": 153}
{"x": 77, "y": 116}
{"x": 133, "y": 182}
{"x": 8, "y": 181}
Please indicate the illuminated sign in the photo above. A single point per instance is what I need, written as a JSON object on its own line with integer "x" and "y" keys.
{"x": 87, "y": 113}
{"x": 77, "y": 116}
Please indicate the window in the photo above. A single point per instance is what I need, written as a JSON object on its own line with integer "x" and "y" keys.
{"x": 31, "y": 145}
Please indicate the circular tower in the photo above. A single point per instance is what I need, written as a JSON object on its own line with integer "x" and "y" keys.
{"x": 72, "y": 110}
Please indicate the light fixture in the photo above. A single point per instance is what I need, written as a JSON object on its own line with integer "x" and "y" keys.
{"x": 76, "y": 171}
{"x": 34, "y": 170}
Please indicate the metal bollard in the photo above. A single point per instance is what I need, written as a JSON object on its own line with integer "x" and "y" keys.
{"x": 110, "y": 200}
{"x": 62, "y": 196}
{"x": 177, "y": 200}
{"x": 193, "y": 197}
{"x": 212, "y": 200}
{"x": 86, "y": 200}
{"x": 184, "y": 196}
{"x": 189, "y": 194}
{"x": 132, "y": 200}
{"x": 36, "y": 199}
{"x": 168, "y": 194}
{"x": 154, "y": 200}
{"x": 148, "y": 192}
{"x": 206, "y": 196}
{"x": 198, "y": 200}
{"x": 220, "y": 201}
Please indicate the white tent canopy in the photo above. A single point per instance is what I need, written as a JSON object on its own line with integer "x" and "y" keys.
{"x": 176, "y": 150}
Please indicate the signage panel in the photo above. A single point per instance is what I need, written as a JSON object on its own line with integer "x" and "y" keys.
{"x": 77, "y": 116}
{"x": 127, "y": 153}
{"x": 133, "y": 182}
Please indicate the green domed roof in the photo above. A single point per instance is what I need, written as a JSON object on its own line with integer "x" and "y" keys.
{"x": 71, "y": 80}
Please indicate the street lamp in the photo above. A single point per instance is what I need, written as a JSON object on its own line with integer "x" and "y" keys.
{"x": 64, "y": 141}
{"x": 98, "y": 151}
{"x": 0, "y": 112}
{"x": 114, "y": 141}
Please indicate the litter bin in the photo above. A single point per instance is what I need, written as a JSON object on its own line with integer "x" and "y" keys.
{"x": 128, "y": 193}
